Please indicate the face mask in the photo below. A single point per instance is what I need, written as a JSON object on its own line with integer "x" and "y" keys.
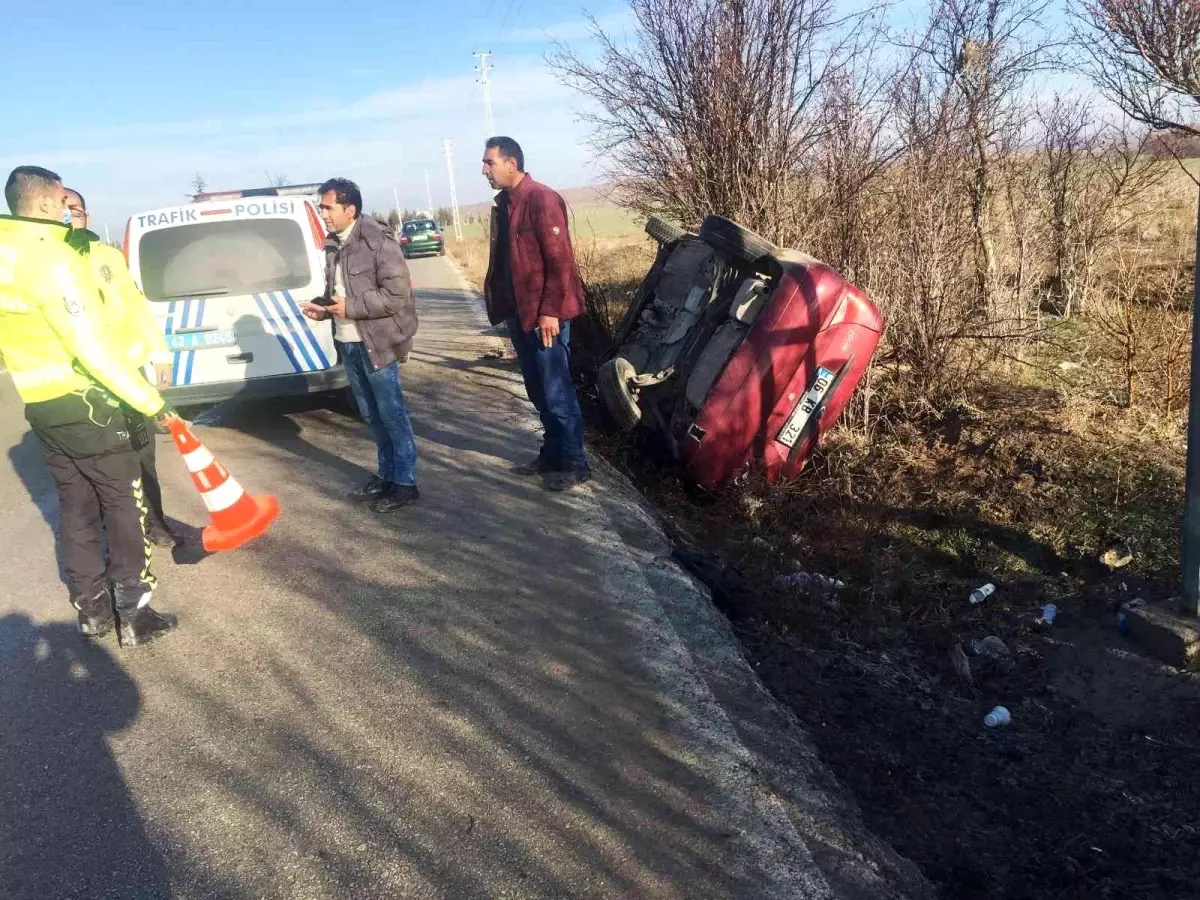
{"x": 66, "y": 216}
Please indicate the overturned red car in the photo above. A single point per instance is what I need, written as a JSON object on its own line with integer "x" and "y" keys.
{"x": 737, "y": 352}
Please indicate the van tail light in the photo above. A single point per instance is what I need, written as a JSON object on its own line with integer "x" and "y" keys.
{"x": 437, "y": 237}
{"x": 314, "y": 222}
{"x": 404, "y": 238}
{"x": 125, "y": 241}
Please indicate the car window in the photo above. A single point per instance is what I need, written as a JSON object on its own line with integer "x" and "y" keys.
{"x": 424, "y": 225}
{"x": 239, "y": 257}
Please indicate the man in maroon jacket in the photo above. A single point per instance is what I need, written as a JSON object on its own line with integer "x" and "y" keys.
{"x": 534, "y": 286}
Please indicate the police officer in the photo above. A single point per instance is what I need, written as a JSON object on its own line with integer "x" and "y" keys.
{"x": 132, "y": 325}
{"x": 73, "y": 379}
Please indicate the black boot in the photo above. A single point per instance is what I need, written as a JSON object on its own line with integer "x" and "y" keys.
{"x": 96, "y": 615}
{"x": 140, "y": 624}
{"x": 369, "y": 491}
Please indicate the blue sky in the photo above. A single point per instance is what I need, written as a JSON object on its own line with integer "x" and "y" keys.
{"x": 128, "y": 99}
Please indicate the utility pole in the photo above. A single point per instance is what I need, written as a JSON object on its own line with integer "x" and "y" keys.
{"x": 428, "y": 194}
{"x": 107, "y": 236}
{"x": 1191, "y": 503}
{"x": 396, "y": 200}
{"x": 483, "y": 69}
{"x": 448, "y": 146}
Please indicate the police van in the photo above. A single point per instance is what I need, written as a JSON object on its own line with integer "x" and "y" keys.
{"x": 226, "y": 276}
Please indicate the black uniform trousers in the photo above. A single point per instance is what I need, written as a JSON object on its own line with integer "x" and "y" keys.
{"x": 156, "y": 520}
{"x": 85, "y": 442}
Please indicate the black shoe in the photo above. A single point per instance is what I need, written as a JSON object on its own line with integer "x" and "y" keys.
{"x": 143, "y": 625}
{"x": 568, "y": 478}
{"x": 541, "y": 465}
{"x": 369, "y": 491}
{"x": 162, "y": 537}
{"x": 396, "y": 496}
{"x": 96, "y": 617}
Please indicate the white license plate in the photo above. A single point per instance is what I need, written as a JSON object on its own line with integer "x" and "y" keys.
{"x": 790, "y": 433}
{"x": 198, "y": 340}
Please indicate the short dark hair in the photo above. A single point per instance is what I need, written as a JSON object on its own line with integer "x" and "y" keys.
{"x": 82, "y": 202}
{"x": 25, "y": 184}
{"x": 346, "y": 192}
{"x": 509, "y": 149}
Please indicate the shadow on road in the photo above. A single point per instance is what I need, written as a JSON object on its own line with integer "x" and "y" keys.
{"x": 26, "y": 459}
{"x": 68, "y": 827}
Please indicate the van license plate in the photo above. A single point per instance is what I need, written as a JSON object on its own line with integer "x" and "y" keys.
{"x": 790, "y": 433}
{"x": 198, "y": 340}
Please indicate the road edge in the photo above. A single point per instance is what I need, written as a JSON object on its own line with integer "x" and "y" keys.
{"x": 803, "y": 828}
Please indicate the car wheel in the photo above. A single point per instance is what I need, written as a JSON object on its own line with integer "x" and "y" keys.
{"x": 613, "y": 380}
{"x": 663, "y": 231}
{"x": 731, "y": 238}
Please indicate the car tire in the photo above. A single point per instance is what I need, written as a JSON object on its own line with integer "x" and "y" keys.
{"x": 663, "y": 231}
{"x": 729, "y": 237}
{"x": 613, "y": 381}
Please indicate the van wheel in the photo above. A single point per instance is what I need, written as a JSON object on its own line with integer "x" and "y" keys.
{"x": 663, "y": 231}
{"x": 741, "y": 243}
{"x": 614, "y": 381}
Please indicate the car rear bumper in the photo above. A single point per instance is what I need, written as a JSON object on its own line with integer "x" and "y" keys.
{"x": 422, "y": 249}
{"x": 289, "y": 385}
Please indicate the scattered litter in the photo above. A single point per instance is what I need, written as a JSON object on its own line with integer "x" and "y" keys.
{"x": 982, "y": 593}
{"x": 1117, "y": 556}
{"x": 1049, "y": 614}
{"x": 1123, "y": 615}
{"x": 809, "y": 580}
{"x": 997, "y": 717}
{"x": 990, "y": 646}
{"x": 1067, "y": 365}
{"x": 493, "y": 353}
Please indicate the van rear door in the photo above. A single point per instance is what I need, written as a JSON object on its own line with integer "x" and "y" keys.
{"x": 226, "y": 281}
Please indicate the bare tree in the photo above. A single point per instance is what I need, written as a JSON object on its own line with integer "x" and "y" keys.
{"x": 199, "y": 184}
{"x": 1097, "y": 178}
{"x": 1145, "y": 55}
{"x": 712, "y": 106}
{"x": 986, "y": 51}
{"x": 276, "y": 180}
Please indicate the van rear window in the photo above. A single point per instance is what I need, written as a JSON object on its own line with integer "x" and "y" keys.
{"x": 246, "y": 256}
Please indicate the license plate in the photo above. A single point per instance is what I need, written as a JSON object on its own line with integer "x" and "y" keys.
{"x": 794, "y": 426}
{"x": 198, "y": 340}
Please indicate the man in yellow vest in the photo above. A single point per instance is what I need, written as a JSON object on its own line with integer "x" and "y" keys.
{"x": 73, "y": 378}
{"x": 131, "y": 323}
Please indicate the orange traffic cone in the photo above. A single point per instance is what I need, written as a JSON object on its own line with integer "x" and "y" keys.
{"x": 237, "y": 517}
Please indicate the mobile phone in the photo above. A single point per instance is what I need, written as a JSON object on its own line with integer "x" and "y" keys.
{"x": 322, "y": 301}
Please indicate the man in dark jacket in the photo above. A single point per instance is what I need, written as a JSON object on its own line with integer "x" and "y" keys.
{"x": 369, "y": 298}
{"x": 533, "y": 284}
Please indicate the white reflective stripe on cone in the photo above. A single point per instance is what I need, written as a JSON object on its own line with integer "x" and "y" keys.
{"x": 223, "y": 496}
{"x": 198, "y": 460}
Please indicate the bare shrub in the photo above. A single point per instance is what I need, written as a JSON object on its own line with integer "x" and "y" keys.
{"x": 712, "y": 105}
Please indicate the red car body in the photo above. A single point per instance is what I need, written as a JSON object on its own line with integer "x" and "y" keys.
{"x": 814, "y": 320}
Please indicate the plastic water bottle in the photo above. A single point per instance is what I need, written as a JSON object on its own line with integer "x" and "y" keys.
{"x": 997, "y": 717}
{"x": 1049, "y": 612}
{"x": 982, "y": 593}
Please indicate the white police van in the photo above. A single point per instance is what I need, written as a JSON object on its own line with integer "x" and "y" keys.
{"x": 226, "y": 276}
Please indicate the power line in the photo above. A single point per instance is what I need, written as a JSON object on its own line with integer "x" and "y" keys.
{"x": 483, "y": 68}
{"x": 448, "y": 146}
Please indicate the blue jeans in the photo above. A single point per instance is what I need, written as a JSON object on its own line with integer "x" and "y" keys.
{"x": 381, "y": 402}
{"x": 547, "y": 374}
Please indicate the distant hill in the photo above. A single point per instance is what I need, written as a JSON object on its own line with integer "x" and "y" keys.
{"x": 576, "y": 197}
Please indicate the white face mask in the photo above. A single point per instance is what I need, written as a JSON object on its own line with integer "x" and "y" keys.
{"x": 66, "y": 216}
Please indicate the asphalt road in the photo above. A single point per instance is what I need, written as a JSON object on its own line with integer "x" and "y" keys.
{"x": 499, "y": 692}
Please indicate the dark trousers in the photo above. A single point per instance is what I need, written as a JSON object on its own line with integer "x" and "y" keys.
{"x": 101, "y": 492}
{"x": 547, "y": 374}
{"x": 380, "y": 400}
{"x": 156, "y": 520}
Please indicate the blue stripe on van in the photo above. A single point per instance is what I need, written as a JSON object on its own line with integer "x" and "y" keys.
{"x": 300, "y": 343}
{"x": 273, "y": 328}
{"x": 173, "y": 314}
{"x": 306, "y": 327}
{"x": 191, "y": 363}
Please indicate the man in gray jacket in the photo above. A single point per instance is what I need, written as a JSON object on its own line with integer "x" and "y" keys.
{"x": 369, "y": 298}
